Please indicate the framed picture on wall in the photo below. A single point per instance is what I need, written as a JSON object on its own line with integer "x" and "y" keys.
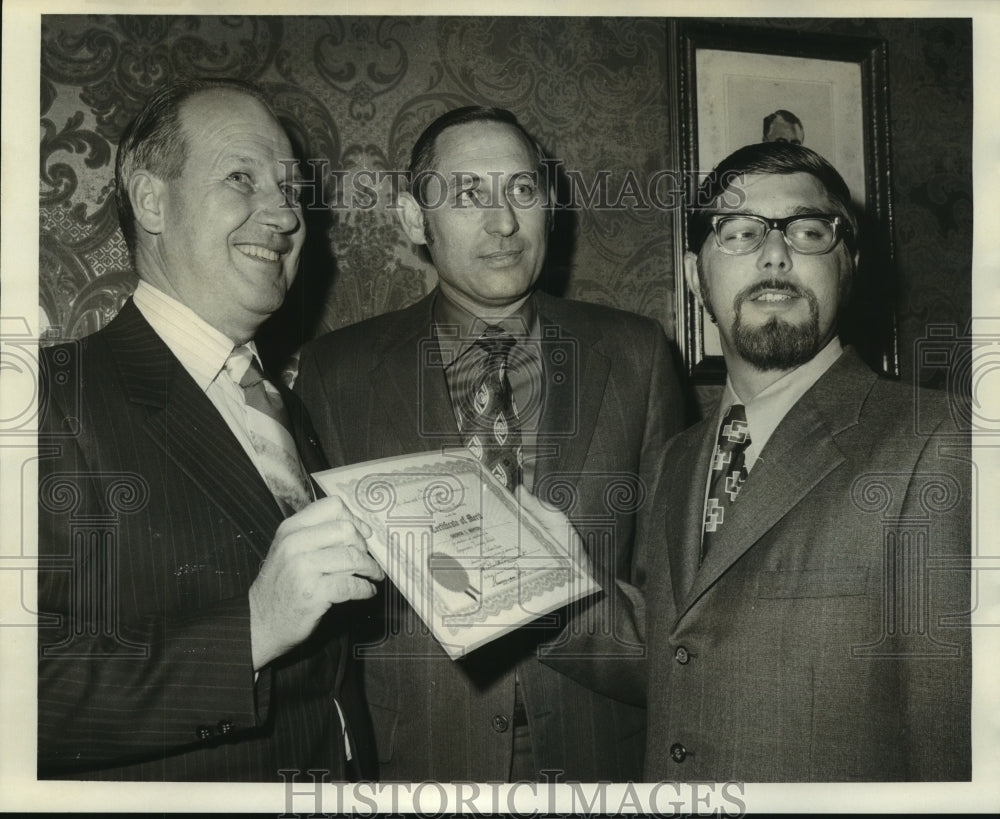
{"x": 739, "y": 85}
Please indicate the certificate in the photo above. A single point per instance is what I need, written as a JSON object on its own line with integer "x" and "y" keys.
{"x": 470, "y": 560}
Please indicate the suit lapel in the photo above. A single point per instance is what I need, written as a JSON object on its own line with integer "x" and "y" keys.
{"x": 408, "y": 379}
{"x": 185, "y": 424}
{"x": 574, "y": 388}
{"x": 689, "y": 458}
{"x": 800, "y": 453}
{"x": 306, "y": 439}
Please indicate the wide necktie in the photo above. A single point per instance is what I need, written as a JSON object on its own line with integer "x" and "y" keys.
{"x": 490, "y": 423}
{"x": 728, "y": 472}
{"x": 270, "y": 433}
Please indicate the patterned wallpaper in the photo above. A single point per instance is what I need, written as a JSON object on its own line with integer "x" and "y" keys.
{"x": 355, "y": 91}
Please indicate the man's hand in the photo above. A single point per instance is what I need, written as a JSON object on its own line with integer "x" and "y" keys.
{"x": 318, "y": 557}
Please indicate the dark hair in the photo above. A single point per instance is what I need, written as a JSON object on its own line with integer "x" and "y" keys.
{"x": 423, "y": 157}
{"x": 154, "y": 140}
{"x": 787, "y": 116}
{"x": 767, "y": 158}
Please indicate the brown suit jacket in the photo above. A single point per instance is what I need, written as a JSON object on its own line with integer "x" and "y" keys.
{"x": 825, "y": 637}
{"x": 612, "y": 400}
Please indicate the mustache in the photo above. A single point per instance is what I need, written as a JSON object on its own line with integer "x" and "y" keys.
{"x": 773, "y": 285}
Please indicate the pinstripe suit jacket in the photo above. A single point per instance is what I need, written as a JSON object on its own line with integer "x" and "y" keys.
{"x": 153, "y": 523}
{"x": 612, "y": 400}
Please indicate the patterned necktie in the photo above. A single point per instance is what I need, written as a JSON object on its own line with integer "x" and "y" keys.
{"x": 729, "y": 471}
{"x": 269, "y": 431}
{"x": 490, "y": 422}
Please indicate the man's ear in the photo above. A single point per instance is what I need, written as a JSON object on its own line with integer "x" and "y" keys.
{"x": 411, "y": 216}
{"x": 691, "y": 275}
{"x": 147, "y": 194}
{"x": 693, "y": 279}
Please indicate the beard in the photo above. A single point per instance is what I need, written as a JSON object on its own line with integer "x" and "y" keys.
{"x": 777, "y": 344}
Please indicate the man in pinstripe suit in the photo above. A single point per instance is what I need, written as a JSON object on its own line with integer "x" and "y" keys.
{"x": 187, "y": 620}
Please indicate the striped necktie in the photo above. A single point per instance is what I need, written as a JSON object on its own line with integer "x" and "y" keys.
{"x": 729, "y": 471}
{"x": 270, "y": 433}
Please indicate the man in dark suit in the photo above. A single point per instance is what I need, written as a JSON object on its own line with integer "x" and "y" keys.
{"x": 593, "y": 398}
{"x": 186, "y": 575}
{"x": 807, "y": 619}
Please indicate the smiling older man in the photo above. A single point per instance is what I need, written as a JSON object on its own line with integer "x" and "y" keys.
{"x": 187, "y": 577}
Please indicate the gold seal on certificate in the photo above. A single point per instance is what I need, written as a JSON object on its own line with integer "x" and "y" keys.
{"x": 472, "y": 561}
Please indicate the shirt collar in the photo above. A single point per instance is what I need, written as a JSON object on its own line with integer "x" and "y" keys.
{"x": 201, "y": 349}
{"x": 457, "y": 329}
{"x": 767, "y": 409}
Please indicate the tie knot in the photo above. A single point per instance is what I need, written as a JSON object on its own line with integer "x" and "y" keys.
{"x": 734, "y": 430}
{"x": 496, "y": 341}
{"x": 736, "y": 412}
{"x": 243, "y": 368}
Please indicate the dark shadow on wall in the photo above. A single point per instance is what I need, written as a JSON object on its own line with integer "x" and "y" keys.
{"x": 868, "y": 319}
{"x": 558, "y": 268}
{"x": 298, "y": 319}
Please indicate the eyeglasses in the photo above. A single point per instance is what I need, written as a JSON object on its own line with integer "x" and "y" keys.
{"x": 809, "y": 234}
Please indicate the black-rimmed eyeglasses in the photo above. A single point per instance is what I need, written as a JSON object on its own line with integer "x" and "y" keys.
{"x": 809, "y": 234}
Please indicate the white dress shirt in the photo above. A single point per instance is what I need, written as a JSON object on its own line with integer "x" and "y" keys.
{"x": 767, "y": 409}
{"x": 203, "y": 352}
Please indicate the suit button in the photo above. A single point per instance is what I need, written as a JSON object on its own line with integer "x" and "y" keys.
{"x": 678, "y": 753}
{"x": 203, "y": 732}
{"x": 500, "y": 723}
{"x": 225, "y": 727}
{"x": 681, "y": 655}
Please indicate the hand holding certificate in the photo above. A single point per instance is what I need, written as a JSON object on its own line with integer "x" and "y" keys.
{"x": 472, "y": 562}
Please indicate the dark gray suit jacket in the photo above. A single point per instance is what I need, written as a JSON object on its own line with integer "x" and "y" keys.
{"x": 612, "y": 401}
{"x": 153, "y": 523}
{"x": 825, "y": 637}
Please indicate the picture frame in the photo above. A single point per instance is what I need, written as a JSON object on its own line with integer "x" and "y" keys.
{"x": 829, "y": 91}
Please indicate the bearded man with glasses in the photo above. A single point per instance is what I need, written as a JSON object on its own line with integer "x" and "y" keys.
{"x": 806, "y": 617}
{"x": 786, "y": 575}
